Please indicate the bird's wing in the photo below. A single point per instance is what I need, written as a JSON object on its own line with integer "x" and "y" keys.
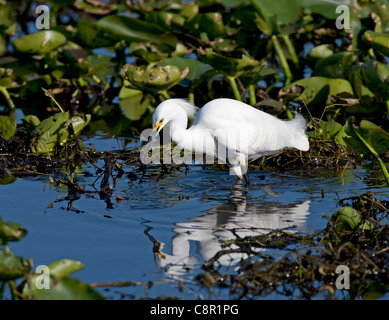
{"x": 236, "y": 137}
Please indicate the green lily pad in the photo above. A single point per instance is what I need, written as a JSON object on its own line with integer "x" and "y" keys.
{"x": 6, "y": 13}
{"x": 326, "y": 8}
{"x": 12, "y": 267}
{"x": 229, "y": 66}
{"x": 374, "y": 135}
{"x": 48, "y": 133}
{"x": 190, "y": 10}
{"x": 131, "y": 29}
{"x": 90, "y": 35}
{"x": 362, "y": 92}
{"x": 378, "y": 41}
{"x": 155, "y": 79}
{"x": 66, "y": 289}
{"x": 60, "y": 286}
{"x": 149, "y": 52}
{"x": 329, "y": 130}
{"x": 134, "y": 103}
{"x": 321, "y": 51}
{"x": 7, "y": 78}
{"x": 285, "y": 11}
{"x": 63, "y": 268}
{"x": 210, "y": 23}
{"x": 376, "y": 76}
{"x": 40, "y": 43}
{"x": 8, "y": 180}
{"x": 31, "y": 120}
{"x": 78, "y": 123}
{"x": 338, "y": 65}
{"x": 54, "y": 130}
{"x": 349, "y": 219}
{"x": 11, "y": 231}
{"x": 318, "y": 89}
{"x": 101, "y": 66}
{"x": 7, "y": 127}
{"x": 196, "y": 67}
{"x": 166, "y": 19}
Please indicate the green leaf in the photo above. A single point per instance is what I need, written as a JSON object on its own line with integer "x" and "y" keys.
{"x": 11, "y": 231}
{"x": 134, "y": 103}
{"x": 382, "y": 11}
{"x": 63, "y": 268}
{"x": 196, "y": 67}
{"x": 190, "y": 10}
{"x": 7, "y": 78}
{"x": 101, "y": 65}
{"x": 131, "y": 29}
{"x": 348, "y": 219}
{"x": 338, "y": 65}
{"x": 3, "y": 46}
{"x": 285, "y": 11}
{"x": 321, "y": 51}
{"x": 374, "y": 135}
{"x": 7, "y": 180}
{"x": 228, "y": 66}
{"x": 271, "y": 103}
{"x": 54, "y": 129}
{"x": 329, "y": 130}
{"x": 258, "y": 73}
{"x": 39, "y": 43}
{"x": 155, "y": 79}
{"x": 378, "y": 41}
{"x": 376, "y": 76}
{"x": 210, "y": 23}
{"x": 375, "y": 290}
{"x": 6, "y": 14}
{"x": 167, "y": 20}
{"x": 12, "y": 267}
{"x": 79, "y": 123}
{"x": 149, "y": 52}
{"x": 31, "y": 122}
{"x": 61, "y": 287}
{"x": 90, "y": 35}
{"x": 362, "y": 92}
{"x": 67, "y": 289}
{"x": 318, "y": 89}
{"x": 48, "y": 133}
{"x": 326, "y": 8}
{"x": 7, "y": 127}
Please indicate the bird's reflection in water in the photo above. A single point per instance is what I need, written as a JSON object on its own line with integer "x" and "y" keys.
{"x": 235, "y": 218}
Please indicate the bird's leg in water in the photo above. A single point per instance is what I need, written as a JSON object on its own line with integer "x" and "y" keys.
{"x": 243, "y": 163}
{"x": 246, "y": 178}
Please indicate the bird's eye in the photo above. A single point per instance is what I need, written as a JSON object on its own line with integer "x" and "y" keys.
{"x": 160, "y": 121}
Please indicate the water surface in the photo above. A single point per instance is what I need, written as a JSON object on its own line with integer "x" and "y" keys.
{"x": 167, "y": 225}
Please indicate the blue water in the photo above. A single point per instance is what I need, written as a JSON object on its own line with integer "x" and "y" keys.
{"x": 189, "y": 212}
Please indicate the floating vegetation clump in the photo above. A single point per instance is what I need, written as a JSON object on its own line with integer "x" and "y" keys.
{"x": 322, "y": 153}
{"x": 348, "y": 259}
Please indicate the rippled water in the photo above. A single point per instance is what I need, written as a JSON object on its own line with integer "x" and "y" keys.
{"x": 188, "y": 212}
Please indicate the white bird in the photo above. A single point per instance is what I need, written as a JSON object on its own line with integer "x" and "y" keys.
{"x": 229, "y": 130}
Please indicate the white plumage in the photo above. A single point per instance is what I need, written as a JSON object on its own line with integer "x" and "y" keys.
{"x": 230, "y": 131}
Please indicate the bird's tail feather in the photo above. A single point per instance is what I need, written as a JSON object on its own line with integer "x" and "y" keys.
{"x": 299, "y": 125}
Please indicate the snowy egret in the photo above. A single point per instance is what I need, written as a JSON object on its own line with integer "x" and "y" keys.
{"x": 229, "y": 130}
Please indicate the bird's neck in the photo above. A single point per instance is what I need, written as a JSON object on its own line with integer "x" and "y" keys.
{"x": 196, "y": 141}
